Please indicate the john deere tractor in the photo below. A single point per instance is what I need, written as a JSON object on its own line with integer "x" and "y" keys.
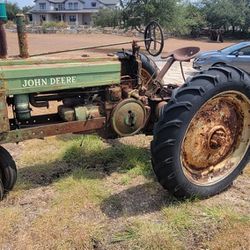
{"x": 200, "y": 129}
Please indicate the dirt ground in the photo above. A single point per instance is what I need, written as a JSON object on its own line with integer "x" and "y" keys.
{"x": 104, "y": 195}
{"x": 50, "y": 42}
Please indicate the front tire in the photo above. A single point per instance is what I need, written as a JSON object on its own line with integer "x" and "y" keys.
{"x": 201, "y": 142}
{"x": 8, "y": 169}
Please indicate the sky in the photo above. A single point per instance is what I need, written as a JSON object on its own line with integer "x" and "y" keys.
{"x": 22, "y": 3}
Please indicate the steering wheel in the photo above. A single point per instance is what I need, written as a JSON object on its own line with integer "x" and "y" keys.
{"x": 153, "y": 38}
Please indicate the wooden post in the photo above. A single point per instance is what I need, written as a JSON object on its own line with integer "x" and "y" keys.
{"x": 3, "y": 41}
{"x": 22, "y": 36}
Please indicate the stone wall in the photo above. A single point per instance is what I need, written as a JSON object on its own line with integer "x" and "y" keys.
{"x": 77, "y": 30}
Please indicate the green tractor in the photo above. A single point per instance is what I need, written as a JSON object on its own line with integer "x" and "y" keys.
{"x": 200, "y": 130}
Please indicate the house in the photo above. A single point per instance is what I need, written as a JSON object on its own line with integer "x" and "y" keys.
{"x": 73, "y": 12}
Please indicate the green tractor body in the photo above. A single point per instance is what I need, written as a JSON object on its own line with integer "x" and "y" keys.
{"x": 25, "y": 79}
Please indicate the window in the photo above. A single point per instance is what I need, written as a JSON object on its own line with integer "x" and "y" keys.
{"x": 42, "y": 18}
{"x": 72, "y": 19}
{"x": 75, "y": 6}
{"x": 61, "y": 6}
{"x": 71, "y": 6}
{"x": 93, "y": 4}
{"x": 245, "y": 51}
{"x": 42, "y": 6}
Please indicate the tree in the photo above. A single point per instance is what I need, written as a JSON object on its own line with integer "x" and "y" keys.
{"x": 141, "y": 12}
{"x": 180, "y": 17}
{"x": 246, "y": 25}
{"x": 12, "y": 9}
{"x": 26, "y": 9}
{"x": 225, "y": 13}
{"x": 107, "y": 18}
{"x": 189, "y": 20}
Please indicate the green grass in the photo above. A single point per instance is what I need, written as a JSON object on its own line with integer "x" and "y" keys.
{"x": 121, "y": 158}
{"x": 192, "y": 219}
{"x": 87, "y": 152}
{"x": 103, "y": 196}
{"x": 225, "y": 214}
{"x": 233, "y": 228}
{"x": 152, "y": 236}
{"x": 42, "y": 152}
{"x": 126, "y": 235}
{"x": 83, "y": 182}
{"x": 62, "y": 226}
{"x": 180, "y": 216}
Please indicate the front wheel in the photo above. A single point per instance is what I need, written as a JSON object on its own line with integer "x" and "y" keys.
{"x": 8, "y": 170}
{"x": 201, "y": 142}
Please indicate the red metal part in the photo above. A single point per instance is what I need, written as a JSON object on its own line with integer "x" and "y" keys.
{"x": 182, "y": 55}
{"x": 53, "y": 129}
{"x": 4, "y": 120}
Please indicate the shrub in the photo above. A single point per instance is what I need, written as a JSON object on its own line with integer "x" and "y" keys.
{"x": 58, "y": 25}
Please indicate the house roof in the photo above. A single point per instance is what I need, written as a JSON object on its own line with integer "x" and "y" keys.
{"x": 105, "y": 2}
{"x": 58, "y": 1}
{"x": 54, "y": 1}
{"x": 109, "y": 2}
{"x": 64, "y": 11}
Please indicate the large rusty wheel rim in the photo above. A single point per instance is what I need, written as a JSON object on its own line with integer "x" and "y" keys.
{"x": 216, "y": 139}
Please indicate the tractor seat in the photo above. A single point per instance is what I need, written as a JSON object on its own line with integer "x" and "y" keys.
{"x": 182, "y": 54}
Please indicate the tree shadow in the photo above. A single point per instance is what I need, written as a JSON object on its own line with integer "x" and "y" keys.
{"x": 137, "y": 200}
{"x": 100, "y": 162}
{"x": 83, "y": 163}
{"x": 67, "y": 137}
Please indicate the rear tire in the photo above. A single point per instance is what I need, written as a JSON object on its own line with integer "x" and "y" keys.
{"x": 149, "y": 65}
{"x": 8, "y": 169}
{"x": 198, "y": 150}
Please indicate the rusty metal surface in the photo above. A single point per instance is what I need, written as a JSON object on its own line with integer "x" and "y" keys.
{"x": 165, "y": 69}
{"x": 213, "y": 137}
{"x": 182, "y": 55}
{"x": 36, "y": 120}
{"x": 114, "y": 94}
{"x": 212, "y": 134}
{"x": 84, "y": 48}
{"x": 4, "y": 120}
{"x": 53, "y": 129}
{"x": 129, "y": 117}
